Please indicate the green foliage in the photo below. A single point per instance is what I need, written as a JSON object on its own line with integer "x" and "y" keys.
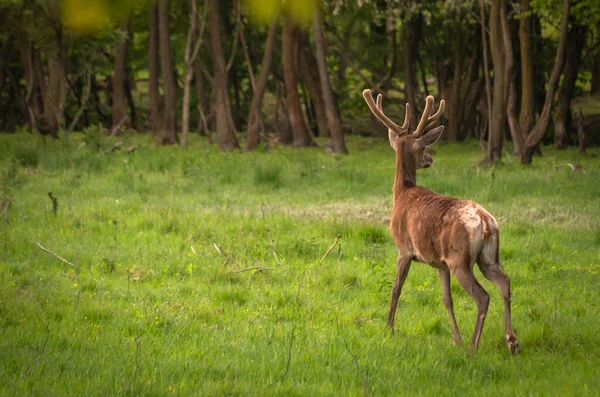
{"x": 162, "y": 299}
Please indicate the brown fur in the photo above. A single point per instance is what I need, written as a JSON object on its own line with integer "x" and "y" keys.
{"x": 446, "y": 233}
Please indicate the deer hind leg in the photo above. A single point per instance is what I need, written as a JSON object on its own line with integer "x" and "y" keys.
{"x": 470, "y": 284}
{"x": 402, "y": 272}
{"x": 493, "y": 272}
{"x": 448, "y": 302}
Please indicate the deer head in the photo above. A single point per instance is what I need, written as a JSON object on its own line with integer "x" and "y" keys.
{"x": 424, "y": 135}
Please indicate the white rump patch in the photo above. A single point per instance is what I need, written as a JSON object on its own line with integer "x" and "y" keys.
{"x": 470, "y": 218}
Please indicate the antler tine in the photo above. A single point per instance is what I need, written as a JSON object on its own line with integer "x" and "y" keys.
{"x": 406, "y": 111}
{"x": 421, "y": 126}
{"x": 428, "y": 121}
{"x": 376, "y": 109}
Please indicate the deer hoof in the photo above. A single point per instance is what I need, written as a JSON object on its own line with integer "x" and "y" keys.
{"x": 513, "y": 344}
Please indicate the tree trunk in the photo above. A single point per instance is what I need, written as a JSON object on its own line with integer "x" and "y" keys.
{"x": 496, "y": 136}
{"x": 310, "y": 73}
{"x": 563, "y": 120}
{"x": 57, "y": 76}
{"x": 537, "y": 133}
{"x": 290, "y": 76}
{"x": 509, "y": 81}
{"x": 527, "y": 113}
{"x": 225, "y": 132}
{"x": 130, "y": 102}
{"x": 471, "y": 90}
{"x": 455, "y": 100}
{"x": 154, "y": 72}
{"x": 334, "y": 123}
{"x": 487, "y": 121}
{"x": 203, "y": 122}
{"x": 255, "y": 115}
{"x": 595, "y": 89}
{"x": 168, "y": 135}
{"x": 580, "y": 133}
{"x": 46, "y": 121}
{"x": 410, "y": 81}
{"x": 119, "y": 96}
{"x": 282, "y": 119}
{"x": 190, "y": 54}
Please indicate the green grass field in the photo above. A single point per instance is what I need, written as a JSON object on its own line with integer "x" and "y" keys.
{"x": 154, "y": 301}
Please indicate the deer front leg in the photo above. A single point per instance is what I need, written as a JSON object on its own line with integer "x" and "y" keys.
{"x": 447, "y": 297}
{"x": 402, "y": 272}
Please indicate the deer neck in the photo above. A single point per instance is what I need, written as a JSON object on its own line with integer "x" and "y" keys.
{"x": 406, "y": 170}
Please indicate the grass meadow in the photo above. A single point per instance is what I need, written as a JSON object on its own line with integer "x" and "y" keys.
{"x": 157, "y": 298}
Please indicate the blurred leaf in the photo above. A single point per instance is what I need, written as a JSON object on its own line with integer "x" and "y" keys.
{"x": 86, "y": 16}
{"x": 263, "y": 11}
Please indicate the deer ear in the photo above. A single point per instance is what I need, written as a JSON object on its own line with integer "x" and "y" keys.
{"x": 393, "y": 136}
{"x": 429, "y": 138}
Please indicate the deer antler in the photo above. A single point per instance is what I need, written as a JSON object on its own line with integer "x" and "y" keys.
{"x": 377, "y": 110}
{"x": 428, "y": 120}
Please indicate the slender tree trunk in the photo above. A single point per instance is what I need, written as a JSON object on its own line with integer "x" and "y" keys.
{"x": 455, "y": 101}
{"x": 203, "y": 126}
{"x": 30, "y": 84}
{"x": 282, "y": 118}
{"x": 595, "y": 88}
{"x": 119, "y": 96}
{"x": 310, "y": 73}
{"x": 57, "y": 77}
{"x": 470, "y": 91}
{"x": 496, "y": 137}
{"x": 168, "y": 135}
{"x": 192, "y": 46}
{"x": 537, "y": 133}
{"x": 47, "y": 122}
{"x": 486, "y": 74}
{"x": 509, "y": 78}
{"x": 527, "y": 113}
{"x": 154, "y": 72}
{"x": 410, "y": 81}
{"x": 225, "y": 131}
{"x": 334, "y": 122}
{"x": 290, "y": 76}
{"x": 563, "y": 120}
{"x": 16, "y": 89}
{"x": 580, "y": 133}
{"x": 129, "y": 86}
{"x": 255, "y": 115}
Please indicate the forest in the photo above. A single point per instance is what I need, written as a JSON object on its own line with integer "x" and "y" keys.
{"x": 523, "y": 72}
{"x": 196, "y": 197}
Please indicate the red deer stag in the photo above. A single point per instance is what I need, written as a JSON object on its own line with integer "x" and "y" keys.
{"x": 447, "y": 233}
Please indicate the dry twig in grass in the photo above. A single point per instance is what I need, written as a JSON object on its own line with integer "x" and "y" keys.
{"x": 269, "y": 236}
{"x": 114, "y": 147}
{"x": 330, "y": 248}
{"x": 56, "y": 256}
{"x": 117, "y": 128}
{"x": 573, "y": 167}
{"x": 218, "y": 249}
{"x": 6, "y": 207}
{"x": 257, "y": 268}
